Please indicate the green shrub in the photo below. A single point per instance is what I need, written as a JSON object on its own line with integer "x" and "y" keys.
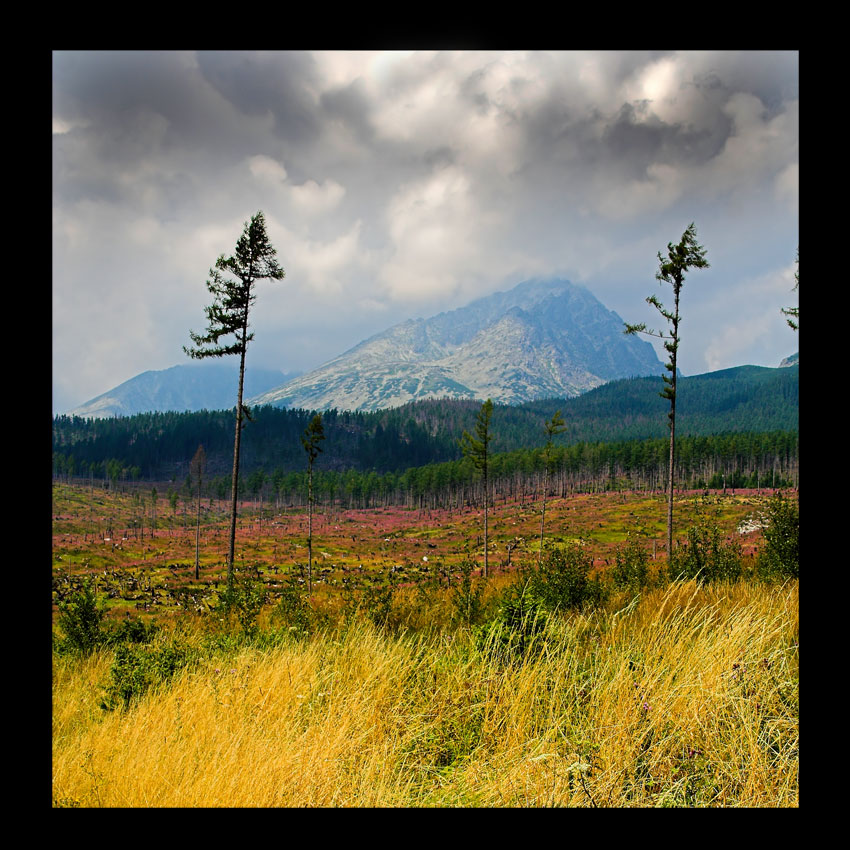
{"x": 562, "y": 582}
{"x": 137, "y": 668}
{"x": 132, "y": 630}
{"x": 80, "y": 618}
{"x": 518, "y": 627}
{"x": 779, "y": 557}
{"x": 377, "y": 601}
{"x": 631, "y": 566}
{"x": 294, "y": 612}
{"x": 243, "y": 598}
{"x": 705, "y": 556}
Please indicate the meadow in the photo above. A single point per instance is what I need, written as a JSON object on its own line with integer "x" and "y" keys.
{"x": 406, "y": 679}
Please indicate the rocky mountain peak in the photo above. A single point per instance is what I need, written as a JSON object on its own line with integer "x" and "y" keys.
{"x": 543, "y": 338}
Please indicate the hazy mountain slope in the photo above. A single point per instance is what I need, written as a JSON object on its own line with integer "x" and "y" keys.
{"x": 210, "y": 385}
{"x": 541, "y": 339}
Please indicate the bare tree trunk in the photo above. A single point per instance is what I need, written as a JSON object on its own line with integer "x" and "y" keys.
{"x": 486, "y": 506}
{"x": 670, "y": 481}
{"x": 198, "y": 536}
{"x": 543, "y": 515}
{"x": 310, "y": 531}
{"x": 236, "y": 445}
{"x": 673, "y": 354}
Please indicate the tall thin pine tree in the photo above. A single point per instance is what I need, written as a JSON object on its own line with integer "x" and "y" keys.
{"x": 680, "y": 258}
{"x": 793, "y": 313}
{"x": 253, "y": 260}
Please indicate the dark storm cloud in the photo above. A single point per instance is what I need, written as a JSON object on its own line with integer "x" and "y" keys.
{"x": 259, "y": 84}
{"x": 350, "y": 106}
{"x": 772, "y": 76}
{"x": 403, "y": 184}
{"x": 439, "y": 157}
{"x": 470, "y": 90}
{"x": 635, "y": 139}
{"x": 115, "y": 93}
{"x": 696, "y": 130}
{"x": 156, "y": 116}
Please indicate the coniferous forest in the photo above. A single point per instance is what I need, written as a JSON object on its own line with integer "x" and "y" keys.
{"x": 737, "y": 428}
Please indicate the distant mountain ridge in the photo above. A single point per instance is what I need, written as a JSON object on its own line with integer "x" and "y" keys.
{"x": 543, "y": 338}
{"x": 210, "y": 385}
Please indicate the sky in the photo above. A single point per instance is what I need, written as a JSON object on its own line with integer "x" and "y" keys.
{"x": 400, "y": 184}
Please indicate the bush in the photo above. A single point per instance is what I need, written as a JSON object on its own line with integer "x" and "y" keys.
{"x": 518, "y": 627}
{"x": 80, "y": 619}
{"x": 378, "y": 601}
{"x": 705, "y": 556}
{"x": 563, "y": 581}
{"x": 780, "y": 556}
{"x": 243, "y": 598}
{"x": 631, "y": 567}
{"x": 132, "y": 630}
{"x": 294, "y": 612}
{"x": 137, "y": 668}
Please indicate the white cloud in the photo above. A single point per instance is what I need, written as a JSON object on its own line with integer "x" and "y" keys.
{"x": 266, "y": 168}
{"x": 757, "y": 147}
{"x": 787, "y": 185}
{"x": 726, "y": 349}
{"x": 308, "y": 198}
{"x": 753, "y": 325}
{"x": 435, "y": 230}
{"x": 313, "y": 199}
{"x": 113, "y": 286}
{"x": 663, "y": 186}
{"x": 406, "y": 180}
{"x": 60, "y": 126}
{"x": 659, "y": 83}
{"x": 325, "y": 264}
{"x": 340, "y": 68}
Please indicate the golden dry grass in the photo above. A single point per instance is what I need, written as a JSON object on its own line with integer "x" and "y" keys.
{"x": 686, "y": 696}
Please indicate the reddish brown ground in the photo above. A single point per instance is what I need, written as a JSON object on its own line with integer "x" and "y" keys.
{"x": 156, "y": 572}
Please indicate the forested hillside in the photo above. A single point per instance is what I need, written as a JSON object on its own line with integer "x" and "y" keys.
{"x": 158, "y": 446}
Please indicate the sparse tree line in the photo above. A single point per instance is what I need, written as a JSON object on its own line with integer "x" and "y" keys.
{"x": 759, "y": 460}
{"x": 717, "y": 462}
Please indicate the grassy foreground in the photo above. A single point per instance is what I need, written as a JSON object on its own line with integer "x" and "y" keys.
{"x": 686, "y": 695}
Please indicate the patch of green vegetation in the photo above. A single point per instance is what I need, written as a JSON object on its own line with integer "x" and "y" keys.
{"x": 555, "y": 543}
{"x": 138, "y": 667}
{"x": 424, "y": 533}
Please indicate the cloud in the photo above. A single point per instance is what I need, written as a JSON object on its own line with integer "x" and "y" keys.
{"x": 266, "y": 168}
{"x": 662, "y": 186}
{"x": 753, "y": 325}
{"x": 276, "y": 86}
{"x": 403, "y": 181}
{"x": 325, "y": 265}
{"x": 787, "y": 185}
{"x": 312, "y": 199}
{"x": 435, "y": 228}
{"x": 759, "y": 145}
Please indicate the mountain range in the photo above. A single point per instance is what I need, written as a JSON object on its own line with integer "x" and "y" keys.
{"x": 545, "y": 338}
{"x": 541, "y": 339}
